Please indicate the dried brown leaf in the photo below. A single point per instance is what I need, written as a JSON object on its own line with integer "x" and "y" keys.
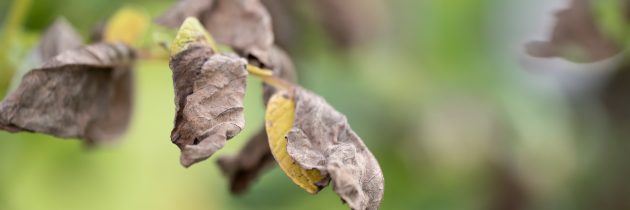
{"x": 282, "y": 67}
{"x": 245, "y": 25}
{"x": 59, "y": 37}
{"x": 576, "y": 36}
{"x": 287, "y": 27}
{"x": 84, "y": 93}
{"x": 183, "y": 9}
{"x": 243, "y": 168}
{"x": 209, "y": 92}
{"x": 279, "y": 118}
{"x": 322, "y": 139}
{"x": 349, "y": 22}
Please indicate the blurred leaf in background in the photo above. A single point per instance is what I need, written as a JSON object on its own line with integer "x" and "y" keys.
{"x": 441, "y": 94}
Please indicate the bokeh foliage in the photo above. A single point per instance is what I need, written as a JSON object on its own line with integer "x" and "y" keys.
{"x": 437, "y": 97}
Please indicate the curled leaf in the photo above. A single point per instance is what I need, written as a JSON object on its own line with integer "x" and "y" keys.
{"x": 321, "y": 139}
{"x": 279, "y": 120}
{"x": 287, "y": 27}
{"x": 576, "y": 36}
{"x": 209, "y": 92}
{"x": 84, "y": 93}
{"x": 59, "y": 37}
{"x": 245, "y": 25}
{"x": 349, "y": 23}
{"x": 282, "y": 67}
{"x": 183, "y": 9}
{"x": 243, "y": 168}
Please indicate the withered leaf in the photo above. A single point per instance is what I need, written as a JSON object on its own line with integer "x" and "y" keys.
{"x": 245, "y": 25}
{"x": 282, "y": 67}
{"x": 279, "y": 119}
{"x": 59, "y": 37}
{"x": 287, "y": 27}
{"x": 576, "y": 36}
{"x": 84, "y": 93}
{"x": 183, "y": 9}
{"x": 321, "y": 139}
{"x": 243, "y": 168}
{"x": 209, "y": 92}
{"x": 349, "y": 22}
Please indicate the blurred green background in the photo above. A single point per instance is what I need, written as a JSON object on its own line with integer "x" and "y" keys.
{"x": 439, "y": 95}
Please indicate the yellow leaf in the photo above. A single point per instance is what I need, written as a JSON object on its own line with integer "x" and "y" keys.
{"x": 279, "y": 120}
{"x": 127, "y": 25}
{"x": 191, "y": 32}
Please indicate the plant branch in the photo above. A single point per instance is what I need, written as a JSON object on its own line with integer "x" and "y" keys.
{"x": 267, "y": 77}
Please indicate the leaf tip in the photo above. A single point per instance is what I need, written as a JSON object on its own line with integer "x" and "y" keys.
{"x": 191, "y": 32}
